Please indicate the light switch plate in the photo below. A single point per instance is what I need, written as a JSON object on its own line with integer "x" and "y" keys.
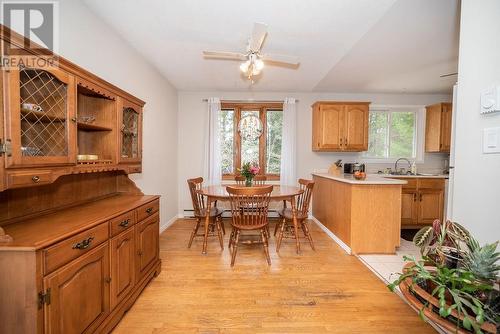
{"x": 491, "y": 140}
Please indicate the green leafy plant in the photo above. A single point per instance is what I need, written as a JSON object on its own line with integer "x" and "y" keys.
{"x": 459, "y": 285}
{"x": 482, "y": 261}
{"x": 460, "y": 273}
{"x": 442, "y": 241}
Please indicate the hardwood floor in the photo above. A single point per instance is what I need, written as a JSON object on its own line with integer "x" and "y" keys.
{"x": 325, "y": 291}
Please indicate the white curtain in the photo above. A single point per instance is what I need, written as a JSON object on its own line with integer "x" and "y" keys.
{"x": 288, "y": 146}
{"x": 212, "y": 163}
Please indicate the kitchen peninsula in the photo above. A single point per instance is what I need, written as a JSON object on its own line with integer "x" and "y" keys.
{"x": 364, "y": 214}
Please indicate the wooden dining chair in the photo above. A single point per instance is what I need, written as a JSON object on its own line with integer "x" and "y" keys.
{"x": 258, "y": 180}
{"x": 215, "y": 227}
{"x": 249, "y": 208}
{"x": 285, "y": 226}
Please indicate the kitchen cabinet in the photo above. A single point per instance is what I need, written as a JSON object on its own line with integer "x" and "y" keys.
{"x": 340, "y": 126}
{"x": 438, "y": 127}
{"x": 422, "y": 202}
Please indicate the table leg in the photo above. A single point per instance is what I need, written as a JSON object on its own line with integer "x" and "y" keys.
{"x": 295, "y": 223}
{"x": 207, "y": 222}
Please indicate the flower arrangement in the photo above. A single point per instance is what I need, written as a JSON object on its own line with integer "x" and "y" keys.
{"x": 249, "y": 170}
{"x": 458, "y": 273}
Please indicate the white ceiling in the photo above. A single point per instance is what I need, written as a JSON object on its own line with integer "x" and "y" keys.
{"x": 343, "y": 45}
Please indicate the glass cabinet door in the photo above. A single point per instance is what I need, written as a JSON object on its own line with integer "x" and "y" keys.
{"x": 41, "y": 111}
{"x": 130, "y": 137}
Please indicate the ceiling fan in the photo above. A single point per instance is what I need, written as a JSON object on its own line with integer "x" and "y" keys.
{"x": 253, "y": 59}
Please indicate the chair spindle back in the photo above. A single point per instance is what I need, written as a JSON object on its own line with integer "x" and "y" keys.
{"x": 304, "y": 199}
{"x": 249, "y": 206}
{"x": 197, "y": 198}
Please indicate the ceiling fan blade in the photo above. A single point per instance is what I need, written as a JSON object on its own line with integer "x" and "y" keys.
{"x": 447, "y": 75}
{"x": 225, "y": 55}
{"x": 258, "y": 34}
{"x": 282, "y": 59}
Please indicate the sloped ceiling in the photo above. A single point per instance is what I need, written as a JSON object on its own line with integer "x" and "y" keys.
{"x": 343, "y": 45}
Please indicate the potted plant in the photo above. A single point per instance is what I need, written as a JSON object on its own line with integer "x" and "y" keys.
{"x": 456, "y": 282}
{"x": 249, "y": 170}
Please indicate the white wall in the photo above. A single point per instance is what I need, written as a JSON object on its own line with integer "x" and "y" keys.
{"x": 192, "y": 124}
{"x": 88, "y": 42}
{"x": 477, "y": 183}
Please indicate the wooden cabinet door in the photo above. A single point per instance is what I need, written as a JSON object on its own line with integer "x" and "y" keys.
{"x": 328, "y": 128}
{"x": 79, "y": 294}
{"x": 409, "y": 207}
{"x": 356, "y": 128}
{"x": 40, "y": 117}
{"x": 445, "y": 127}
{"x": 147, "y": 235}
{"x": 430, "y": 205}
{"x": 122, "y": 266}
{"x": 433, "y": 128}
{"x": 130, "y": 125}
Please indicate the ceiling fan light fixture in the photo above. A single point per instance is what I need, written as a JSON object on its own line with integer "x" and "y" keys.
{"x": 259, "y": 64}
{"x": 245, "y": 66}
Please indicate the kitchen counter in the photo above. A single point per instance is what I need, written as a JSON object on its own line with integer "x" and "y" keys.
{"x": 371, "y": 179}
{"x": 418, "y": 176}
{"x": 364, "y": 214}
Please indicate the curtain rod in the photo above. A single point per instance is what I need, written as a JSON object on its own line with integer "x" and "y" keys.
{"x": 252, "y": 101}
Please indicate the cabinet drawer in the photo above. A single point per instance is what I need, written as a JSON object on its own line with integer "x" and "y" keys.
{"x": 431, "y": 183}
{"x": 71, "y": 248}
{"x": 411, "y": 183}
{"x": 121, "y": 223}
{"x": 147, "y": 210}
{"x": 29, "y": 178}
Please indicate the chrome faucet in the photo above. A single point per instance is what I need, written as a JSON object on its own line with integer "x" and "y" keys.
{"x": 396, "y": 164}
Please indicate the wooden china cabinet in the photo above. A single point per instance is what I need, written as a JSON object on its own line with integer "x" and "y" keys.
{"x": 79, "y": 241}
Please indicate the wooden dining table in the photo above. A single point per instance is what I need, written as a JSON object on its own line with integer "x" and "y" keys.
{"x": 279, "y": 193}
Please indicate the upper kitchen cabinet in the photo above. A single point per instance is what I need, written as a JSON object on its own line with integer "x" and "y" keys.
{"x": 40, "y": 123}
{"x": 130, "y": 124}
{"x": 340, "y": 126}
{"x": 438, "y": 127}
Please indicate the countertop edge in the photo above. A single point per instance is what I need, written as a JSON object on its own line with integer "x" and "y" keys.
{"x": 372, "y": 179}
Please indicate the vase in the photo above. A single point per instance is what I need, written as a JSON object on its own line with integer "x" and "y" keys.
{"x": 248, "y": 182}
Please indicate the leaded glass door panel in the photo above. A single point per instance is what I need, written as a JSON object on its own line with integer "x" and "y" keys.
{"x": 41, "y": 108}
{"x": 131, "y": 132}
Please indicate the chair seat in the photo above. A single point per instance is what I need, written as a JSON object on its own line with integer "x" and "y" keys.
{"x": 287, "y": 214}
{"x": 214, "y": 212}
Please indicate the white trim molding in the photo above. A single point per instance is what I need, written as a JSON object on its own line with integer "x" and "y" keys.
{"x": 342, "y": 245}
{"x": 164, "y": 226}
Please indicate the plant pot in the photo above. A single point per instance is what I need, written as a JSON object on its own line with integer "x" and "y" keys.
{"x": 415, "y": 295}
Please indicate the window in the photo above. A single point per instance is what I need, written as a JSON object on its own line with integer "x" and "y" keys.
{"x": 266, "y": 150}
{"x": 393, "y": 133}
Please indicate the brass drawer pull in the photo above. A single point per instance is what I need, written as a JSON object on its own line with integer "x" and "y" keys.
{"x": 35, "y": 179}
{"x": 84, "y": 244}
{"x": 125, "y": 223}
{"x": 149, "y": 210}
{"x": 420, "y": 197}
